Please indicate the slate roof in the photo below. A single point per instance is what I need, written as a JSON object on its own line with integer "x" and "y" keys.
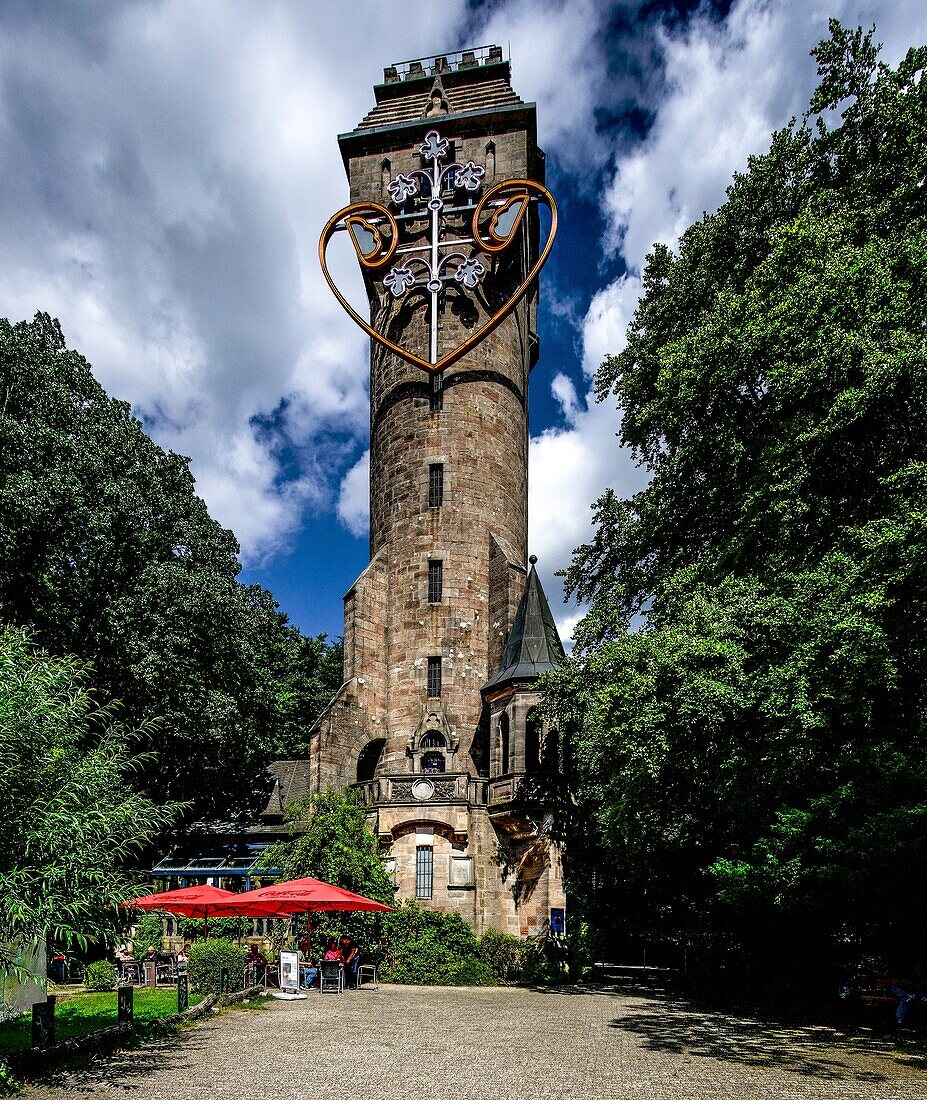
{"x": 481, "y": 94}
{"x": 292, "y": 780}
{"x": 534, "y": 644}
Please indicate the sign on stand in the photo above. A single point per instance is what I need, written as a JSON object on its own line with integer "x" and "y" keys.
{"x": 289, "y": 971}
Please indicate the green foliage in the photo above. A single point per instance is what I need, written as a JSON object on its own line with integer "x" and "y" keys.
{"x": 228, "y": 928}
{"x": 208, "y": 959}
{"x": 336, "y": 846}
{"x": 149, "y": 932}
{"x": 71, "y": 818}
{"x": 107, "y": 552}
{"x": 428, "y": 948}
{"x": 100, "y": 976}
{"x": 749, "y": 766}
{"x": 505, "y": 955}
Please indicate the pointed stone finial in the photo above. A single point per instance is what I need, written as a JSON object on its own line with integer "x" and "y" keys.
{"x": 533, "y": 560}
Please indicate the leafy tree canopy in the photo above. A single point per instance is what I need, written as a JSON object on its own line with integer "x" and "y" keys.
{"x": 71, "y": 821}
{"x": 751, "y": 763}
{"x": 107, "y": 552}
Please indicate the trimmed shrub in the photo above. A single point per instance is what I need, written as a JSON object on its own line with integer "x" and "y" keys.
{"x": 426, "y": 948}
{"x": 100, "y": 976}
{"x": 472, "y": 971}
{"x": 208, "y": 959}
{"x": 504, "y": 954}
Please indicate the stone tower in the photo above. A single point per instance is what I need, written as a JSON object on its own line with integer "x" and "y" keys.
{"x": 446, "y": 628}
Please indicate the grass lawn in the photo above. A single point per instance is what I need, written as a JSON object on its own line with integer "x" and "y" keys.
{"x": 80, "y": 1013}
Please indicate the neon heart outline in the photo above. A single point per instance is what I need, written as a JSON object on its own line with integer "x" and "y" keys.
{"x": 497, "y": 318}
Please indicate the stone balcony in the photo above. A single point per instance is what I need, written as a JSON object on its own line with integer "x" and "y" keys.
{"x": 442, "y": 787}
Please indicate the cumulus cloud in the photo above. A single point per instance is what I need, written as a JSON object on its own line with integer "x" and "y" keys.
{"x": 724, "y": 86}
{"x": 166, "y": 170}
{"x": 354, "y": 497}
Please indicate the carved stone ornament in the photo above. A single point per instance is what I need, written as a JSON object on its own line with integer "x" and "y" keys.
{"x": 441, "y": 229}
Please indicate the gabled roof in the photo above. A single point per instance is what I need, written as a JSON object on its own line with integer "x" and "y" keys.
{"x": 534, "y": 644}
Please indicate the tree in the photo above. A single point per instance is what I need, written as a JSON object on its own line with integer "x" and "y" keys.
{"x": 337, "y": 846}
{"x": 107, "y": 552}
{"x": 751, "y": 763}
{"x": 72, "y": 820}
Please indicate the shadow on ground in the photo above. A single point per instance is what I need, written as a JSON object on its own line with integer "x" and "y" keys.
{"x": 123, "y": 1068}
{"x": 675, "y": 1027}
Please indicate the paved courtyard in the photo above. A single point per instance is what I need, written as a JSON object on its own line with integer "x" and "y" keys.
{"x": 407, "y": 1043}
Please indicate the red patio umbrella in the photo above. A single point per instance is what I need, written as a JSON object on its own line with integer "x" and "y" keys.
{"x": 298, "y": 896}
{"x": 301, "y": 895}
{"x": 190, "y": 901}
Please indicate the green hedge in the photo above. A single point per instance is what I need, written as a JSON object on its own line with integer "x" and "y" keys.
{"x": 208, "y": 959}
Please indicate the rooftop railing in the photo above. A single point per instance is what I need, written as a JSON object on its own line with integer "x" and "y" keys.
{"x": 436, "y": 64}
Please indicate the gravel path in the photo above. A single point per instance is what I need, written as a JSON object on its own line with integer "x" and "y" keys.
{"x": 413, "y": 1043}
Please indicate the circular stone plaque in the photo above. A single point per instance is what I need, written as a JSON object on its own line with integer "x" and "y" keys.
{"x": 423, "y": 789}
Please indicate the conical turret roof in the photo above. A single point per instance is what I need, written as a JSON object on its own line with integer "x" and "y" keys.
{"x": 534, "y": 644}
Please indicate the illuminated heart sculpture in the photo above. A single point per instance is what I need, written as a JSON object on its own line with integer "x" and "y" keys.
{"x": 422, "y": 197}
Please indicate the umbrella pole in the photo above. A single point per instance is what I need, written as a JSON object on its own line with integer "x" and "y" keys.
{"x": 205, "y": 927}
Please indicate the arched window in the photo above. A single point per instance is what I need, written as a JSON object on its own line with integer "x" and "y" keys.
{"x": 369, "y": 758}
{"x": 504, "y": 745}
{"x": 532, "y": 741}
{"x": 432, "y": 740}
{"x": 433, "y": 762}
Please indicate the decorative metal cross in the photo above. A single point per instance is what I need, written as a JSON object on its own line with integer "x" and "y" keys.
{"x": 434, "y": 260}
{"x": 430, "y": 259}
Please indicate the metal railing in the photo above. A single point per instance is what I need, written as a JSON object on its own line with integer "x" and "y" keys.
{"x": 435, "y": 64}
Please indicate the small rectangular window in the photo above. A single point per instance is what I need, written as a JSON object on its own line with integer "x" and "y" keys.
{"x": 435, "y": 581}
{"x": 434, "y": 677}
{"x": 436, "y": 399}
{"x": 436, "y": 485}
{"x": 424, "y": 872}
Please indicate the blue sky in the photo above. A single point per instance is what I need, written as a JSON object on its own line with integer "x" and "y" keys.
{"x": 166, "y": 167}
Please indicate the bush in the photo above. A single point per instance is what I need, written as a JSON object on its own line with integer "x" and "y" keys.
{"x": 472, "y": 971}
{"x": 426, "y": 948}
{"x": 208, "y": 959}
{"x": 504, "y": 954}
{"x": 100, "y": 976}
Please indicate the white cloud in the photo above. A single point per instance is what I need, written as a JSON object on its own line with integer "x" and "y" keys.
{"x": 166, "y": 171}
{"x": 354, "y": 497}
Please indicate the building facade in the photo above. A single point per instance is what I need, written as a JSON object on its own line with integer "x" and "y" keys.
{"x": 447, "y": 628}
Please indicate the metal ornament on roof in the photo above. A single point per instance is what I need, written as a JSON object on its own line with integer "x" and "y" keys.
{"x": 442, "y": 230}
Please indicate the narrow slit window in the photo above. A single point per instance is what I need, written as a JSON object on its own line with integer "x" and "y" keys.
{"x": 424, "y": 871}
{"x": 436, "y": 485}
{"x": 436, "y": 397}
{"x": 435, "y": 581}
{"x": 434, "y": 677}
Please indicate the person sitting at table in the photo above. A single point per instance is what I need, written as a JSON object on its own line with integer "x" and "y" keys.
{"x": 350, "y": 960}
{"x": 123, "y": 954}
{"x": 307, "y": 972}
{"x": 183, "y": 958}
{"x": 256, "y": 961}
{"x": 332, "y": 952}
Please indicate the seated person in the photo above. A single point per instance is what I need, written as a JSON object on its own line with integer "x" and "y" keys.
{"x": 123, "y": 953}
{"x": 350, "y": 959}
{"x": 256, "y": 960}
{"x": 907, "y": 989}
{"x": 183, "y": 958}
{"x": 332, "y": 952}
{"x": 152, "y": 955}
{"x": 307, "y": 972}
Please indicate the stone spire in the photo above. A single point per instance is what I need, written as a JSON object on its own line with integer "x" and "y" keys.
{"x": 534, "y": 644}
